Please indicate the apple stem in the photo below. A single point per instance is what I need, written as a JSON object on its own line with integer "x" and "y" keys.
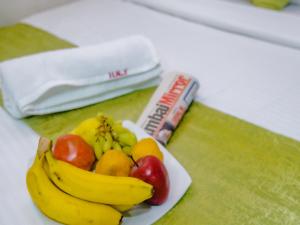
{"x": 135, "y": 163}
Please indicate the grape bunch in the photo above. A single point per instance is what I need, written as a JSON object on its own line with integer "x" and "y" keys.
{"x": 104, "y": 133}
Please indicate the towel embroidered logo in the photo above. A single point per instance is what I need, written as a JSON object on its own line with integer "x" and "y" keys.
{"x": 117, "y": 74}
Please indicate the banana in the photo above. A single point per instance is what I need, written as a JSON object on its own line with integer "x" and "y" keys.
{"x": 123, "y": 208}
{"x": 96, "y": 187}
{"x": 87, "y": 130}
{"x": 62, "y": 207}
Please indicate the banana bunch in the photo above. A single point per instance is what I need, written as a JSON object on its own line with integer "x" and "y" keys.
{"x": 71, "y": 195}
{"x": 103, "y": 134}
{"x": 61, "y": 206}
{"x": 95, "y": 187}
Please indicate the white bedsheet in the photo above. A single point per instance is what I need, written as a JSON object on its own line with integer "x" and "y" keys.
{"x": 251, "y": 79}
{"x": 244, "y": 19}
{"x": 17, "y": 147}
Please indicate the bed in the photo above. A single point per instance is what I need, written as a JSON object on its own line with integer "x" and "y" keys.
{"x": 245, "y": 119}
{"x": 255, "y": 76}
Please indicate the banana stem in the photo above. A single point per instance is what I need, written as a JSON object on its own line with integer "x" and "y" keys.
{"x": 44, "y": 145}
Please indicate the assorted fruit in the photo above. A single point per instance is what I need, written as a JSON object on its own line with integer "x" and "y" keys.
{"x": 96, "y": 172}
{"x": 103, "y": 133}
{"x": 144, "y": 147}
{"x": 151, "y": 170}
{"x": 73, "y": 149}
{"x": 114, "y": 163}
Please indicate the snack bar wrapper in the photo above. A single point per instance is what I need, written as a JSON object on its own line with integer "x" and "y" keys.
{"x": 168, "y": 105}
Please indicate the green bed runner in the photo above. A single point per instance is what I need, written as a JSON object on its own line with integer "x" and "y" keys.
{"x": 242, "y": 174}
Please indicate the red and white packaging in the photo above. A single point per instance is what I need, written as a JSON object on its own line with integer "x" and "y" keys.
{"x": 168, "y": 105}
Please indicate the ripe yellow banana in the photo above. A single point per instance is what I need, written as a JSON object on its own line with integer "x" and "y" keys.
{"x": 89, "y": 131}
{"x": 122, "y": 208}
{"x": 62, "y": 207}
{"x": 96, "y": 187}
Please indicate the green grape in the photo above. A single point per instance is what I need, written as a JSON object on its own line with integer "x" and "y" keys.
{"x": 116, "y": 146}
{"x": 127, "y": 138}
{"x": 114, "y": 135}
{"x": 108, "y": 142}
{"x": 110, "y": 121}
{"x": 127, "y": 150}
{"x": 98, "y": 146}
{"x": 98, "y": 151}
{"x": 118, "y": 128}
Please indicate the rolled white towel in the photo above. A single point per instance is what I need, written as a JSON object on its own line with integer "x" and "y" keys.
{"x": 71, "y": 78}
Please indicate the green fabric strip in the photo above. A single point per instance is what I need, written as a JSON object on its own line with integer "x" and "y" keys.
{"x": 242, "y": 174}
{"x": 271, "y": 4}
{"x": 21, "y": 39}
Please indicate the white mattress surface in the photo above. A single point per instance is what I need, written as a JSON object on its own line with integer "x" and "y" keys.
{"x": 250, "y": 79}
{"x": 268, "y": 25}
{"x": 18, "y": 145}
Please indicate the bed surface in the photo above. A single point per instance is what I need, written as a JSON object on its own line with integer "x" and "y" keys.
{"x": 251, "y": 79}
{"x": 242, "y": 172}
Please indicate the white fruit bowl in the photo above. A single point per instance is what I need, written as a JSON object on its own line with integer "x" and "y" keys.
{"x": 179, "y": 183}
{"x": 143, "y": 214}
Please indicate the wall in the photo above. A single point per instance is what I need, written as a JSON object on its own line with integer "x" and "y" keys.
{"x": 12, "y": 11}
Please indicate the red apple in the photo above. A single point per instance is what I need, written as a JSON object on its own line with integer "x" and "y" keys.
{"x": 151, "y": 170}
{"x": 74, "y": 150}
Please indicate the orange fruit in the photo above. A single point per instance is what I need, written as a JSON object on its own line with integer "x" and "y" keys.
{"x": 114, "y": 163}
{"x": 144, "y": 147}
